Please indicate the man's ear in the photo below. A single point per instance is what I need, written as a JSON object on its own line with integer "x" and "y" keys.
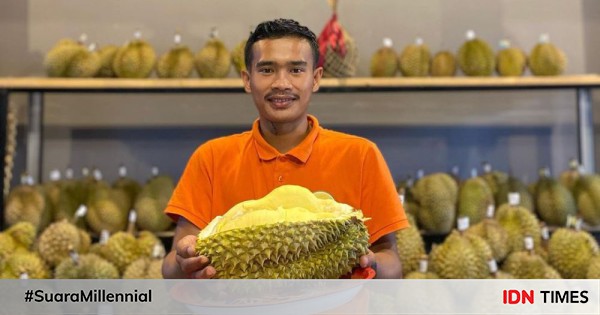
{"x": 246, "y": 79}
{"x": 318, "y": 74}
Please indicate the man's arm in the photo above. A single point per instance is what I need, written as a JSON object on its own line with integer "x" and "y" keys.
{"x": 384, "y": 253}
{"x": 182, "y": 261}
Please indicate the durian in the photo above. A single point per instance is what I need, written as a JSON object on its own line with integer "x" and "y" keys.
{"x": 553, "y": 202}
{"x": 587, "y": 196}
{"x": 546, "y": 59}
{"x": 593, "y": 271}
{"x": 151, "y": 202}
{"x": 474, "y": 198}
{"x": 415, "y": 60}
{"x": 25, "y": 263}
{"x": 27, "y": 202}
{"x": 510, "y": 61}
{"x": 213, "y": 60}
{"x": 147, "y": 267}
{"x": 443, "y": 64}
{"x": 23, "y": 233}
{"x": 135, "y": 59}
{"x": 384, "y": 62}
{"x": 513, "y": 185}
{"x": 121, "y": 249}
{"x": 461, "y": 256}
{"x": 410, "y": 247}
{"x": 58, "y": 239}
{"x": 69, "y": 58}
{"x": 437, "y": 195}
{"x": 87, "y": 266}
{"x": 107, "y": 55}
{"x": 289, "y": 233}
{"x": 238, "y": 57}
{"x": 518, "y": 223}
{"x": 569, "y": 177}
{"x": 476, "y": 57}
{"x": 491, "y": 231}
{"x": 178, "y": 62}
{"x": 129, "y": 185}
{"x": 570, "y": 252}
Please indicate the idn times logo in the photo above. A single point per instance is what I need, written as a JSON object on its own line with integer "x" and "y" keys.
{"x": 548, "y": 296}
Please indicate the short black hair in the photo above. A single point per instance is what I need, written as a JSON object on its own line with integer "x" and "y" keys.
{"x": 280, "y": 28}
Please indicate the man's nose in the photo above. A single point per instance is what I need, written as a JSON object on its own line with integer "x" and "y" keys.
{"x": 282, "y": 81}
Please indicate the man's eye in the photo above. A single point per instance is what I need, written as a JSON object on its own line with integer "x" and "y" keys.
{"x": 265, "y": 70}
{"x": 297, "y": 70}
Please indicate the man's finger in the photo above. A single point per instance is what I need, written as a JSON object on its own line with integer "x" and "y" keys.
{"x": 206, "y": 273}
{"x": 191, "y": 265}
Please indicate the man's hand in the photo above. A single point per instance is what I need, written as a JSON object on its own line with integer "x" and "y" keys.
{"x": 196, "y": 267}
{"x": 367, "y": 260}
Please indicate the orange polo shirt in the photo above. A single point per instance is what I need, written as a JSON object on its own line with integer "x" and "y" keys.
{"x": 226, "y": 171}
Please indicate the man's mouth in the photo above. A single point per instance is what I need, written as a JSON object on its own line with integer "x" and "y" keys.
{"x": 281, "y": 101}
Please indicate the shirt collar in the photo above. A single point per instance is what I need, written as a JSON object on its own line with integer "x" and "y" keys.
{"x": 301, "y": 152}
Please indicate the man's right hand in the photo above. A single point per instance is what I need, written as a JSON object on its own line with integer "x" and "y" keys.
{"x": 194, "y": 266}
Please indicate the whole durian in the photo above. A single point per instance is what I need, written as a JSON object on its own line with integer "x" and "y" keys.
{"x": 23, "y": 233}
{"x": 528, "y": 265}
{"x": 514, "y": 185}
{"x": 27, "y": 202}
{"x": 437, "y": 195}
{"x": 476, "y": 57}
{"x": 107, "y": 209}
{"x": 151, "y": 202}
{"x": 178, "y": 62}
{"x": 546, "y": 59}
{"x": 107, "y": 56}
{"x": 290, "y": 233}
{"x": 415, "y": 59}
{"x": 58, "y": 239}
{"x": 490, "y": 230}
{"x": 213, "y": 60}
{"x": 553, "y": 202}
{"x": 121, "y": 249}
{"x": 518, "y": 222}
{"x": 510, "y": 61}
{"x": 86, "y": 266}
{"x": 127, "y": 184}
{"x": 405, "y": 188}
{"x": 443, "y": 64}
{"x": 495, "y": 179}
{"x": 474, "y": 198}
{"x": 461, "y": 256}
{"x": 410, "y": 247}
{"x": 384, "y": 62}
{"x": 238, "y": 56}
{"x": 147, "y": 267}
{"x": 569, "y": 177}
{"x": 25, "y": 263}
{"x": 570, "y": 252}
{"x": 135, "y": 59}
{"x": 587, "y": 196}
{"x": 593, "y": 271}
{"x": 69, "y": 58}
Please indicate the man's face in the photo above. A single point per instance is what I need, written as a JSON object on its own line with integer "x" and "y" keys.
{"x": 281, "y": 78}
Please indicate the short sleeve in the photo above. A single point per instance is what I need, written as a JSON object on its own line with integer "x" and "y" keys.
{"x": 379, "y": 199}
{"x": 192, "y": 197}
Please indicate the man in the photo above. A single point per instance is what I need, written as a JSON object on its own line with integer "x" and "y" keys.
{"x": 285, "y": 146}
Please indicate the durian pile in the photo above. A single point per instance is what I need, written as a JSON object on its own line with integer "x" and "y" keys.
{"x": 50, "y": 227}
{"x": 291, "y": 233}
{"x": 138, "y": 59}
{"x": 495, "y": 219}
{"x": 475, "y": 57}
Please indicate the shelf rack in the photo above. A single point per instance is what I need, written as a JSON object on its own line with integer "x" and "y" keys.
{"x": 37, "y": 87}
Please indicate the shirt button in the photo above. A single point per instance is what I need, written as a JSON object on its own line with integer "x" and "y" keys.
{"x": 280, "y": 179}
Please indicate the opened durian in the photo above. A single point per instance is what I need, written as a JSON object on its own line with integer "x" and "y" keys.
{"x": 384, "y": 62}
{"x": 443, "y": 64}
{"x": 476, "y": 57}
{"x": 290, "y": 233}
{"x": 135, "y": 59}
{"x": 546, "y": 59}
{"x": 415, "y": 60}
{"x": 213, "y": 60}
{"x": 178, "y": 62}
{"x": 510, "y": 61}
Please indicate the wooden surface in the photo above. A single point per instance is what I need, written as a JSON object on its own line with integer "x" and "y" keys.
{"x": 42, "y": 83}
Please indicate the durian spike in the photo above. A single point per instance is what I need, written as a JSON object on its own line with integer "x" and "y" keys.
{"x": 132, "y": 220}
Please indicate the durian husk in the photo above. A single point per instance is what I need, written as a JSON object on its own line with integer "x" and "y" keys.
{"x": 414, "y": 61}
{"x": 176, "y": 63}
{"x": 107, "y": 55}
{"x": 410, "y": 247}
{"x": 526, "y": 265}
{"x": 135, "y": 59}
{"x": 511, "y": 62}
{"x": 474, "y": 198}
{"x": 27, "y": 203}
{"x": 461, "y": 256}
{"x": 121, "y": 249}
{"x": 238, "y": 57}
{"x": 151, "y": 202}
{"x": 213, "y": 60}
{"x": 89, "y": 266}
{"x": 494, "y": 234}
{"x": 546, "y": 59}
{"x": 288, "y": 234}
{"x": 519, "y": 222}
{"x": 59, "y": 239}
{"x": 593, "y": 270}
{"x": 23, "y": 233}
{"x": 554, "y": 202}
{"x": 144, "y": 268}
{"x": 476, "y": 58}
{"x": 587, "y": 196}
{"x": 421, "y": 275}
{"x": 436, "y": 195}
{"x": 25, "y": 262}
{"x": 570, "y": 252}
{"x": 443, "y": 64}
{"x": 384, "y": 63}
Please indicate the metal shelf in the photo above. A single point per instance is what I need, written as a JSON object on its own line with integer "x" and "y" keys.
{"x": 37, "y": 87}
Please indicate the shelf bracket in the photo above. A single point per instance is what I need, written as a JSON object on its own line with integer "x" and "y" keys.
{"x": 585, "y": 129}
{"x": 34, "y": 135}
